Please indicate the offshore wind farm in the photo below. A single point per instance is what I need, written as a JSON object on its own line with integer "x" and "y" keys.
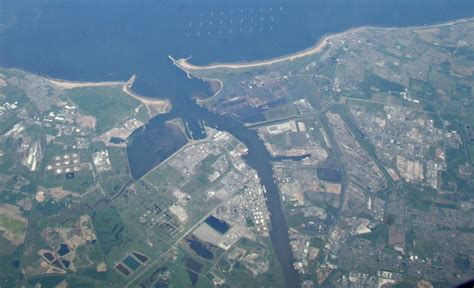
{"x": 259, "y": 143}
{"x": 225, "y": 22}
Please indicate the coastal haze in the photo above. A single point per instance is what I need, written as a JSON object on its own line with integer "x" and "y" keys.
{"x": 89, "y": 41}
{"x": 162, "y": 55}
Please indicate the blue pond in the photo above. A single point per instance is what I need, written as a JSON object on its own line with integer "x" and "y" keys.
{"x": 63, "y": 250}
{"x": 97, "y": 41}
{"x": 200, "y": 249}
{"x": 220, "y": 225}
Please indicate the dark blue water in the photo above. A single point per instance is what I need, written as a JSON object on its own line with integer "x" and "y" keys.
{"x": 193, "y": 267}
{"x": 219, "y": 225}
{"x": 116, "y": 140}
{"x": 152, "y": 144}
{"x": 200, "y": 248}
{"x": 329, "y": 174}
{"x": 111, "y": 40}
{"x": 63, "y": 249}
{"x": 98, "y": 40}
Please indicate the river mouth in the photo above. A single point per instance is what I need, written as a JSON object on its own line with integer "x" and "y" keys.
{"x": 154, "y": 143}
{"x": 104, "y": 48}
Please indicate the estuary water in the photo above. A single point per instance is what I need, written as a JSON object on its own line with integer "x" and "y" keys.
{"x": 110, "y": 40}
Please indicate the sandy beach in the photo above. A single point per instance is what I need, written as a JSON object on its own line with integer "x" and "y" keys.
{"x": 186, "y": 66}
{"x": 154, "y": 106}
{"x": 61, "y": 84}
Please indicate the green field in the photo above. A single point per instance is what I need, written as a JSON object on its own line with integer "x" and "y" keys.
{"x": 110, "y": 105}
{"x": 15, "y": 226}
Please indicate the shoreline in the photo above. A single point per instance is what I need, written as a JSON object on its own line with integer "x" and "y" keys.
{"x": 186, "y": 66}
{"x": 190, "y": 77}
{"x": 153, "y": 106}
{"x": 66, "y": 85}
{"x": 221, "y": 86}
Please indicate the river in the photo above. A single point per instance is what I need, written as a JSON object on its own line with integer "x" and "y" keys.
{"x": 111, "y": 40}
{"x": 258, "y": 158}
